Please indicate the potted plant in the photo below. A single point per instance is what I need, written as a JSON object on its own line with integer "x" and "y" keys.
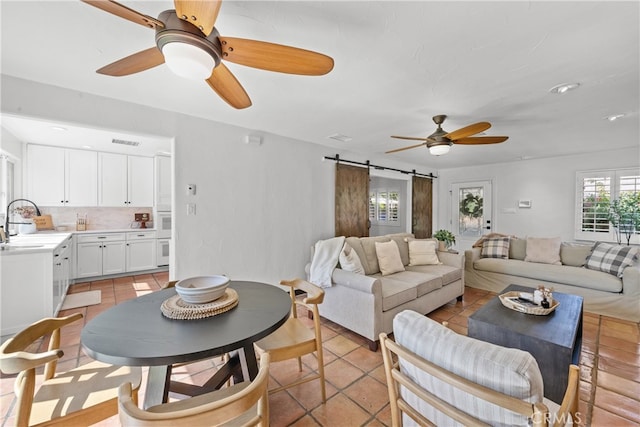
{"x": 446, "y": 239}
{"x": 624, "y": 215}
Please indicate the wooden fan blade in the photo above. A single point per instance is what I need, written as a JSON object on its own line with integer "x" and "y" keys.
{"x": 135, "y": 63}
{"x": 411, "y": 138}
{"x": 405, "y": 148}
{"x": 225, "y": 84}
{"x": 468, "y": 130}
{"x": 275, "y": 57}
{"x": 202, "y": 14}
{"x": 124, "y": 12}
{"x": 477, "y": 140}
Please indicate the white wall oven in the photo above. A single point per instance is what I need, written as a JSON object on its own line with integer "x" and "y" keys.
{"x": 163, "y": 225}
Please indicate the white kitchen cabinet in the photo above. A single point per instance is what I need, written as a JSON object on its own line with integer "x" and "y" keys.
{"x": 33, "y": 281}
{"x": 141, "y": 251}
{"x": 125, "y": 180}
{"x": 100, "y": 254}
{"x": 61, "y": 272}
{"x": 62, "y": 177}
{"x": 163, "y": 183}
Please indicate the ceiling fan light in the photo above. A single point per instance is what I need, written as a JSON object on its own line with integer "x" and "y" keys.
{"x": 188, "y": 61}
{"x": 439, "y": 150}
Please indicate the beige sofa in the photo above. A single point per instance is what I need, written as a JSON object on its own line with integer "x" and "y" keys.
{"x": 603, "y": 293}
{"x": 367, "y": 303}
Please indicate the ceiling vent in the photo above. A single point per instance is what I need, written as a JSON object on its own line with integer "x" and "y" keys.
{"x": 124, "y": 142}
{"x": 340, "y": 137}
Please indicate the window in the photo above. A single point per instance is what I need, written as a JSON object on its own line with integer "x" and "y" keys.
{"x": 383, "y": 206}
{"x": 608, "y": 205}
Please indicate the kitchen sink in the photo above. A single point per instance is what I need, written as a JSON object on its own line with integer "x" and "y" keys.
{"x": 20, "y": 245}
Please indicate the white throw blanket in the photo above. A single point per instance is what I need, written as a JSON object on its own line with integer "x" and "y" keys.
{"x": 325, "y": 259}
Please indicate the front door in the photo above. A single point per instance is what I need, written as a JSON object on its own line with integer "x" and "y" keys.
{"x": 470, "y": 211}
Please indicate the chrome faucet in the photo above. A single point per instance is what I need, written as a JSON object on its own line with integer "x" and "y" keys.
{"x": 7, "y": 222}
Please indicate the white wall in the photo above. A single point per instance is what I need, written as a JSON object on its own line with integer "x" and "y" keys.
{"x": 259, "y": 208}
{"x": 550, "y": 184}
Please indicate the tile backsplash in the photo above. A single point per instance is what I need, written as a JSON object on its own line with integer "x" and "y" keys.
{"x": 97, "y": 218}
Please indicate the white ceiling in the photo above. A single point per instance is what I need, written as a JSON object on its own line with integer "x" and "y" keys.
{"x": 397, "y": 64}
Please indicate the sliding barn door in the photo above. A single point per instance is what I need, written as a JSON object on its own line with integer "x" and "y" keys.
{"x": 352, "y": 201}
{"x": 421, "y": 212}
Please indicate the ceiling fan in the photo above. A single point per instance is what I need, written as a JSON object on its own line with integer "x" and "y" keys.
{"x": 191, "y": 46}
{"x": 440, "y": 141}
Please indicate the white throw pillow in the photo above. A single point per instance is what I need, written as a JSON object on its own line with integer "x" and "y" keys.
{"x": 543, "y": 250}
{"x": 423, "y": 252}
{"x": 350, "y": 261}
{"x": 388, "y": 255}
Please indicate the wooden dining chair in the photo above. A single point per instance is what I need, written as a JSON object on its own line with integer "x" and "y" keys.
{"x": 82, "y": 396}
{"x": 294, "y": 339}
{"x": 245, "y": 404}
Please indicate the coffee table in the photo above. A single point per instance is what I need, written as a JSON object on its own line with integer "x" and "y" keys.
{"x": 554, "y": 340}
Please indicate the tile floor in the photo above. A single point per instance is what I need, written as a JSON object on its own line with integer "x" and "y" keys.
{"x": 356, "y": 391}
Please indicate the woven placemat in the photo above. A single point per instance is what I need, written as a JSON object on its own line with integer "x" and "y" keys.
{"x": 176, "y": 308}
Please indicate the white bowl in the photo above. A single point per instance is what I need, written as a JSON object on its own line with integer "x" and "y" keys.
{"x": 202, "y": 289}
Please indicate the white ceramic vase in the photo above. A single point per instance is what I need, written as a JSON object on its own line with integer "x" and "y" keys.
{"x": 27, "y": 227}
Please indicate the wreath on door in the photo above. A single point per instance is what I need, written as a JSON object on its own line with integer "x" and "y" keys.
{"x": 471, "y": 206}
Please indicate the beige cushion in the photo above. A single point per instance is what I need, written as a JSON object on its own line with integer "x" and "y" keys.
{"x": 447, "y": 273}
{"x": 517, "y": 248}
{"x": 545, "y": 250}
{"x": 349, "y": 260}
{"x": 401, "y": 239}
{"x": 574, "y": 254}
{"x": 565, "y": 274}
{"x": 399, "y": 290}
{"x": 366, "y": 250}
{"x": 388, "y": 256}
{"x": 423, "y": 252}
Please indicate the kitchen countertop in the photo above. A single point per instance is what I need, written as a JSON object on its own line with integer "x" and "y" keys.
{"x": 33, "y": 243}
{"x": 48, "y": 240}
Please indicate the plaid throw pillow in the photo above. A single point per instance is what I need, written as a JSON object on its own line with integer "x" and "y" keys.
{"x": 496, "y": 247}
{"x": 611, "y": 259}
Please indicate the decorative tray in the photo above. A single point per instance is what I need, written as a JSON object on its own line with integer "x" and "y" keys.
{"x": 176, "y": 308}
{"x": 512, "y": 300}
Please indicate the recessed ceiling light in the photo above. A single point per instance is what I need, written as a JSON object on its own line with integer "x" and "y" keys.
{"x": 59, "y": 128}
{"x": 614, "y": 117}
{"x": 87, "y": 146}
{"x": 563, "y": 88}
{"x": 340, "y": 137}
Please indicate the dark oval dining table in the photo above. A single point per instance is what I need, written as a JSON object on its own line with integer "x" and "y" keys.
{"x": 136, "y": 333}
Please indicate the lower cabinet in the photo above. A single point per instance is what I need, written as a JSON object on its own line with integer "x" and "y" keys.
{"x": 33, "y": 285}
{"x": 100, "y": 254}
{"x": 113, "y": 253}
{"x": 141, "y": 251}
{"x": 62, "y": 257}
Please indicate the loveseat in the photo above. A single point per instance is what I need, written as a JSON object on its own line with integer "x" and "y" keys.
{"x": 572, "y": 268}
{"x": 366, "y": 302}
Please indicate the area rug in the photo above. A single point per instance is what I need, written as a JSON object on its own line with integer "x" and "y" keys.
{"x": 81, "y": 299}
